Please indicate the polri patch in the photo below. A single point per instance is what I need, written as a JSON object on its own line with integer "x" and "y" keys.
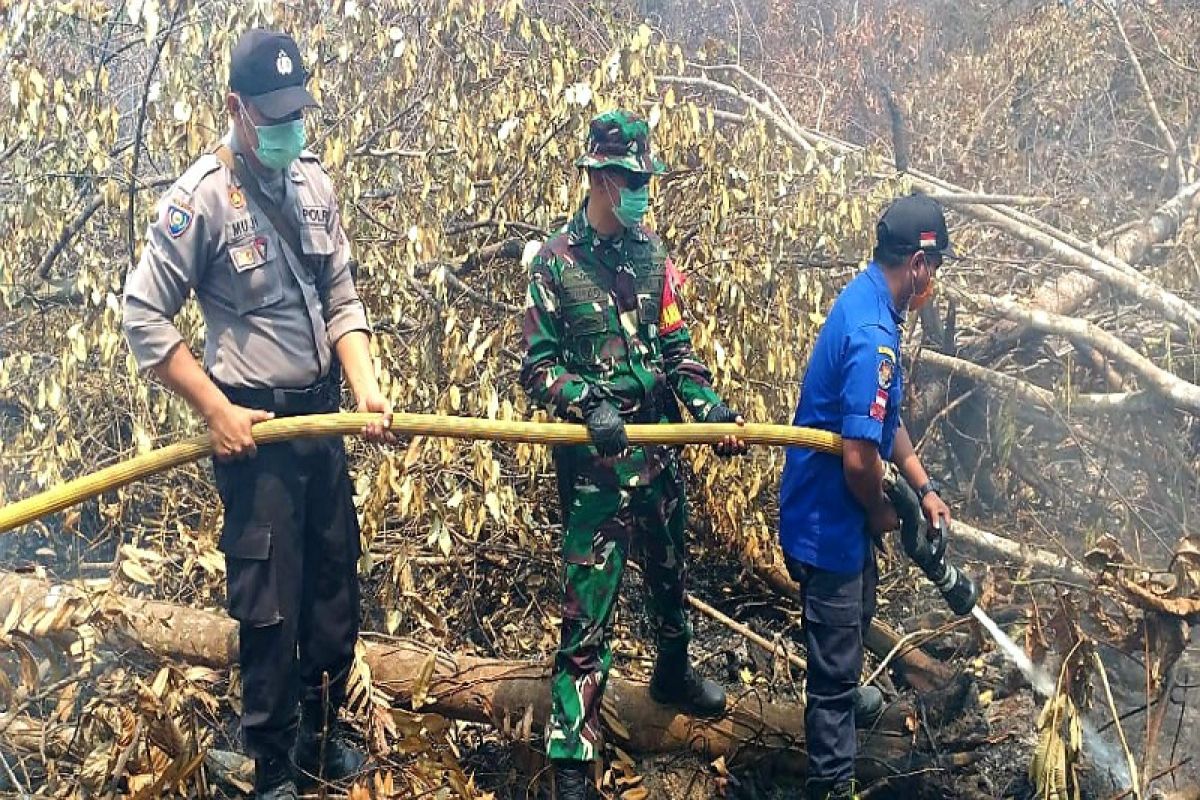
{"x": 879, "y": 405}
{"x": 179, "y": 218}
{"x": 887, "y": 372}
{"x": 316, "y": 215}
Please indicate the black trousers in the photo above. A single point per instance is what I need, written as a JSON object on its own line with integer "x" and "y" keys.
{"x": 838, "y": 608}
{"x": 291, "y": 545}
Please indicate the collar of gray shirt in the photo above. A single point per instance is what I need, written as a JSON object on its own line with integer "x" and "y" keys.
{"x": 271, "y": 183}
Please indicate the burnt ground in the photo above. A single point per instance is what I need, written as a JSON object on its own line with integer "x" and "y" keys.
{"x": 1004, "y": 725}
{"x": 519, "y": 605}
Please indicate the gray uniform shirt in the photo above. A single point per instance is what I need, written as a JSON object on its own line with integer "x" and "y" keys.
{"x": 270, "y": 319}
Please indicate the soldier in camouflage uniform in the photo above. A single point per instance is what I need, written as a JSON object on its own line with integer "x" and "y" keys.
{"x": 606, "y": 344}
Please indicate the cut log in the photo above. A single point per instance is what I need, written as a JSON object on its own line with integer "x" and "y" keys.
{"x": 485, "y": 690}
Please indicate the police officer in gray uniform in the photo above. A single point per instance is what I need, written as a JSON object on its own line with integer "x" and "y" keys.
{"x": 254, "y": 230}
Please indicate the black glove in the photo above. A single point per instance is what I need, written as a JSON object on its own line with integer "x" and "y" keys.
{"x": 722, "y": 413}
{"x": 607, "y": 430}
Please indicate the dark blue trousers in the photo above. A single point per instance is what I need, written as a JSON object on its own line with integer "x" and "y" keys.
{"x": 838, "y": 607}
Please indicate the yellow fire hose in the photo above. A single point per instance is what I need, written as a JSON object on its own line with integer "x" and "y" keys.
{"x": 408, "y": 425}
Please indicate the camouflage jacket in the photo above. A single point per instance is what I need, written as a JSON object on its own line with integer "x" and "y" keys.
{"x": 603, "y": 322}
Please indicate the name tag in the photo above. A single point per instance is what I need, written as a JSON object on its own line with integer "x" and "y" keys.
{"x": 241, "y": 227}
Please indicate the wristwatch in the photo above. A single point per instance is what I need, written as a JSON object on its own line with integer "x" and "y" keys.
{"x": 929, "y": 487}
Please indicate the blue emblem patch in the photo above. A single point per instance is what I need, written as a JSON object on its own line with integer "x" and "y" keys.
{"x": 179, "y": 219}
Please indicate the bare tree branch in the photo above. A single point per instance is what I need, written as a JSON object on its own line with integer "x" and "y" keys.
{"x": 139, "y": 129}
{"x": 790, "y": 131}
{"x": 1036, "y": 395}
{"x": 70, "y": 231}
{"x": 1179, "y": 392}
{"x": 1168, "y": 138}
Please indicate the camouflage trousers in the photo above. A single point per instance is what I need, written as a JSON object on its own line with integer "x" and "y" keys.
{"x": 602, "y": 525}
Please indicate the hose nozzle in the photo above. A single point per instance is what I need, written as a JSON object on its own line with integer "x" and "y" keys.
{"x": 929, "y": 552}
{"x": 955, "y": 585}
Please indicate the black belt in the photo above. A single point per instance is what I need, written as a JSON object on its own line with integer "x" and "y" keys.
{"x": 320, "y": 398}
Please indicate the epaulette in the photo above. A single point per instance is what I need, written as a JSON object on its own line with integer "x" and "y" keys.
{"x": 558, "y": 245}
{"x": 311, "y": 159}
{"x": 190, "y": 180}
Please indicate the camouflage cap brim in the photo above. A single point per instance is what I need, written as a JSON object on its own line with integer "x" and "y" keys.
{"x": 645, "y": 166}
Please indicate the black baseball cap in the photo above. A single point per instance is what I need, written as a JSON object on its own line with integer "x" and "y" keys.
{"x": 912, "y": 223}
{"x": 265, "y": 68}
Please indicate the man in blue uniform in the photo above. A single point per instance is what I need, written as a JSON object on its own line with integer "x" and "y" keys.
{"x": 832, "y": 506}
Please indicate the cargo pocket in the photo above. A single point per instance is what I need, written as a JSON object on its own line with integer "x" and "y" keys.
{"x": 833, "y": 598}
{"x": 250, "y": 575}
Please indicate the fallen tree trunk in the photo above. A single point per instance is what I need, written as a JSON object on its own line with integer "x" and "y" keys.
{"x": 1065, "y": 293}
{"x": 508, "y": 694}
{"x": 1182, "y": 394}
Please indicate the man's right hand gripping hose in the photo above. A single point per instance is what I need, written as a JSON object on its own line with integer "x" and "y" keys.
{"x": 928, "y": 549}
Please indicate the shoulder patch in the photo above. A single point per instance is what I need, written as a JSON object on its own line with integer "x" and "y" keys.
{"x": 878, "y": 410}
{"x": 887, "y": 372}
{"x": 194, "y": 175}
{"x": 887, "y": 351}
{"x": 178, "y": 217}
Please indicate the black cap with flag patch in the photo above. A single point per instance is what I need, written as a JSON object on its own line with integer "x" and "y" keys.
{"x": 912, "y": 223}
{"x": 266, "y": 69}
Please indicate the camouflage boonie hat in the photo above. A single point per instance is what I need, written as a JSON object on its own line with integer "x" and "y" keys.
{"x": 620, "y": 139}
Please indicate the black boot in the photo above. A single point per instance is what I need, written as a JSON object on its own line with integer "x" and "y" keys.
{"x": 868, "y": 706}
{"x": 831, "y": 790}
{"x": 570, "y": 780}
{"x": 274, "y": 780}
{"x": 322, "y": 753}
{"x": 675, "y": 683}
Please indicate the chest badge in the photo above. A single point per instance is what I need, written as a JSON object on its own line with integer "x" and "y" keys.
{"x": 236, "y": 198}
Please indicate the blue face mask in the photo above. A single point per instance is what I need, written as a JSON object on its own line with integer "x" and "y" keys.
{"x": 280, "y": 144}
{"x": 631, "y": 206}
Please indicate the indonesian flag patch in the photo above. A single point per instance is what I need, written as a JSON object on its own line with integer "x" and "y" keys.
{"x": 928, "y": 240}
{"x": 671, "y": 317}
{"x": 879, "y": 406}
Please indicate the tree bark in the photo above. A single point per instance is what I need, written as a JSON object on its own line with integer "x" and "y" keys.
{"x": 484, "y": 690}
